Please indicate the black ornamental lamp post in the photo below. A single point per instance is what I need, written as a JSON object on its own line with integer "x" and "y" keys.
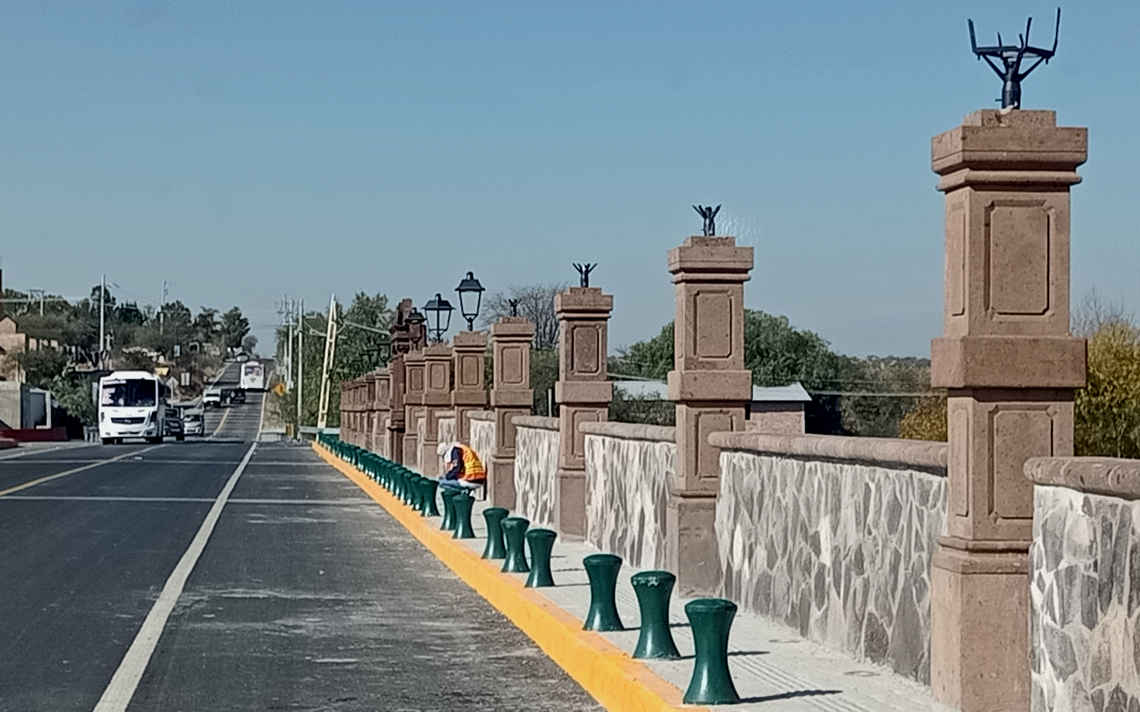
{"x": 438, "y": 317}
{"x": 470, "y": 290}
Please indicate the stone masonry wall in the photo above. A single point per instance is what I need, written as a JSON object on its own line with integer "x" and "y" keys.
{"x": 836, "y": 547}
{"x": 1085, "y": 585}
{"x": 447, "y": 429}
{"x": 536, "y": 469}
{"x": 628, "y": 471}
{"x": 483, "y": 434}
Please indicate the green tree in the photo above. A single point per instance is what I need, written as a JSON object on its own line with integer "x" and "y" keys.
{"x": 876, "y": 393}
{"x": 234, "y": 328}
{"x": 362, "y": 335}
{"x": 206, "y": 327}
{"x": 1107, "y": 410}
{"x": 926, "y": 420}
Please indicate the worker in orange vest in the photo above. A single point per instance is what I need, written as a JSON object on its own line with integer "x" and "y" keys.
{"x": 463, "y": 468}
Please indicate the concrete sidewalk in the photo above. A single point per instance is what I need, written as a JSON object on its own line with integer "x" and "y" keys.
{"x": 774, "y": 669}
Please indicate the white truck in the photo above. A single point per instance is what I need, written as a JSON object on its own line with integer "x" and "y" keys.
{"x": 252, "y": 376}
{"x": 132, "y": 404}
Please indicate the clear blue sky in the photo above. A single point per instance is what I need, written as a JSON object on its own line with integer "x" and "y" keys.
{"x": 242, "y": 150}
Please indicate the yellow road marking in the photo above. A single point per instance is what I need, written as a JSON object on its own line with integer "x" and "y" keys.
{"x": 220, "y": 424}
{"x": 65, "y": 473}
{"x": 604, "y": 670}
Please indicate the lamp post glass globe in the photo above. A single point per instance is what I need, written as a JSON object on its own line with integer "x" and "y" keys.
{"x": 470, "y": 290}
{"x": 438, "y": 316}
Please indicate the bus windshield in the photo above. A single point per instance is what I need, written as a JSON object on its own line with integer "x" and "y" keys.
{"x": 129, "y": 393}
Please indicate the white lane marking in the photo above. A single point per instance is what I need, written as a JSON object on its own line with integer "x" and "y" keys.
{"x": 65, "y": 473}
{"x": 261, "y": 419}
{"x": 180, "y": 500}
{"x": 41, "y": 450}
{"x": 96, "y": 498}
{"x": 126, "y": 679}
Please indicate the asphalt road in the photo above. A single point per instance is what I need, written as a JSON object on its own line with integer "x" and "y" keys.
{"x": 116, "y": 593}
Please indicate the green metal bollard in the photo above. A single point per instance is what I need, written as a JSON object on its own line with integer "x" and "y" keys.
{"x": 462, "y": 502}
{"x": 541, "y": 544}
{"x": 603, "y": 572}
{"x": 398, "y": 485}
{"x": 711, "y": 620}
{"x": 495, "y": 548}
{"x": 655, "y": 642}
{"x": 448, "y": 522}
{"x": 430, "y": 487}
{"x": 417, "y": 492}
{"x": 514, "y": 531}
{"x": 406, "y": 488}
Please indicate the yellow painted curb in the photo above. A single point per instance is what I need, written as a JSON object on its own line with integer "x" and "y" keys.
{"x": 617, "y": 681}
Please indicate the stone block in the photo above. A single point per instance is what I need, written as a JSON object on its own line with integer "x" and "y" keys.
{"x": 1008, "y": 362}
{"x": 992, "y": 433}
{"x": 512, "y": 399}
{"x": 698, "y": 461}
{"x": 572, "y": 452}
{"x": 595, "y": 392}
{"x": 570, "y": 503}
{"x": 691, "y": 544}
{"x": 501, "y": 482}
{"x": 980, "y": 630}
{"x": 710, "y": 386}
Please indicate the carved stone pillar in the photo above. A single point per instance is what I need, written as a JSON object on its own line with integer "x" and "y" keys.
{"x": 582, "y": 392}
{"x": 511, "y": 337}
{"x": 395, "y": 434}
{"x": 711, "y": 389}
{"x": 413, "y": 406}
{"x": 470, "y": 392}
{"x": 437, "y": 397}
{"x": 1009, "y": 366}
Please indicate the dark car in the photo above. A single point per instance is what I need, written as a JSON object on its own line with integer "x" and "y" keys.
{"x": 238, "y": 396}
{"x": 173, "y": 425}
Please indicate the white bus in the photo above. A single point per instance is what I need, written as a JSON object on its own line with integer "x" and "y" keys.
{"x": 252, "y": 376}
{"x": 132, "y": 404}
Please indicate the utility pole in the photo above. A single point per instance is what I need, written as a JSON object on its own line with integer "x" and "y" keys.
{"x": 288, "y": 319}
{"x": 330, "y": 352}
{"x": 161, "y": 310}
{"x": 102, "y": 318}
{"x": 300, "y": 365}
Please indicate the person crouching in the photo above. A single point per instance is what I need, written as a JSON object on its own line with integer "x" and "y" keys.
{"x": 462, "y": 467}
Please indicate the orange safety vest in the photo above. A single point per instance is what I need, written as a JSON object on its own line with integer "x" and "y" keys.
{"x": 473, "y": 469}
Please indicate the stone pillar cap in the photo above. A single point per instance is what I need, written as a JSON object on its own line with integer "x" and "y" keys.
{"x": 1010, "y": 141}
{"x": 703, "y": 257}
{"x": 470, "y": 340}
{"x": 513, "y": 326}
{"x": 583, "y": 301}
{"x": 437, "y": 351}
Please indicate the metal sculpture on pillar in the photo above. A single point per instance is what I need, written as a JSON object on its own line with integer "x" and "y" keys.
{"x": 1011, "y": 57}
{"x": 584, "y": 271}
{"x": 708, "y": 212}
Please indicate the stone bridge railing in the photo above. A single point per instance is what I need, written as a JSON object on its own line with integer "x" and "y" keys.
{"x": 1084, "y": 577}
{"x": 629, "y": 469}
{"x": 536, "y": 466}
{"x": 915, "y": 555}
{"x": 834, "y": 537}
